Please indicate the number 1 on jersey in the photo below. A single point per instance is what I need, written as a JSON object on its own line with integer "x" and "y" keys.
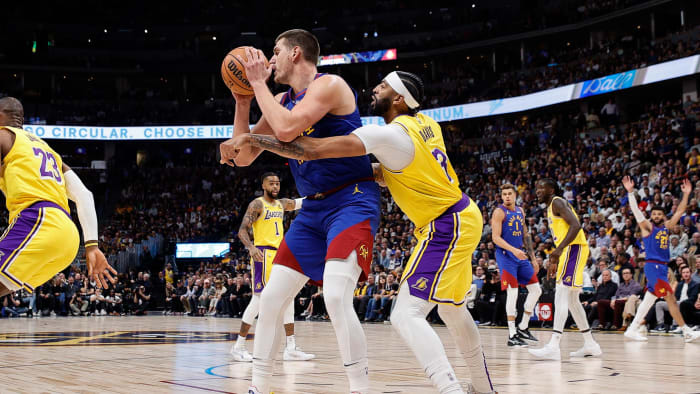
{"x": 442, "y": 159}
{"x": 277, "y": 230}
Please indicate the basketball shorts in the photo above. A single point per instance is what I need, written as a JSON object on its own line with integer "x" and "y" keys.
{"x": 261, "y": 269}
{"x": 440, "y": 268}
{"x": 571, "y": 264}
{"x": 331, "y": 229}
{"x": 657, "y": 278}
{"x": 514, "y": 272}
{"x": 39, "y": 243}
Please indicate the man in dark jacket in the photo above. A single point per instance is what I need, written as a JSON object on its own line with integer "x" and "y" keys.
{"x": 603, "y": 294}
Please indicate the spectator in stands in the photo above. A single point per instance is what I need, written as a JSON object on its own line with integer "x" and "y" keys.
{"x": 599, "y": 305}
{"x": 142, "y": 298}
{"x": 628, "y": 291}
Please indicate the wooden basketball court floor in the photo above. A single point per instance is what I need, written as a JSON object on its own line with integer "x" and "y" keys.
{"x": 175, "y": 354}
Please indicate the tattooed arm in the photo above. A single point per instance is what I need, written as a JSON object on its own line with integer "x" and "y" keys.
{"x": 251, "y": 214}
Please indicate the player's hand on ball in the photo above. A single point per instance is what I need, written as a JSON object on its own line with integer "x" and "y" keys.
{"x": 520, "y": 255}
{"x": 98, "y": 267}
{"x": 243, "y": 99}
{"x": 255, "y": 68}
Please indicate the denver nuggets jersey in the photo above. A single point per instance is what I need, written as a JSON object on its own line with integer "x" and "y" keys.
{"x": 31, "y": 172}
{"x": 656, "y": 245}
{"x": 512, "y": 229}
{"x": 559, "y": 227}
{"x": 318, "y": 176}
{"x": 428, "y": 186}
{"x": 268, "y": 228}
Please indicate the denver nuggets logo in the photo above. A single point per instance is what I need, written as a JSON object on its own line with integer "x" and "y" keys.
{"x": 505, "y": 283}
{"x": 357, "y": 190}
{"x": 363, "y": 251}
{"x": 421, "y": 284}
{"x": 662, "y": 290}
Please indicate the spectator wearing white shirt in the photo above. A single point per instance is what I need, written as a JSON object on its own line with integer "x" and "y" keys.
{"x": 603, "y": 265}
{"x": 594, "y": 248}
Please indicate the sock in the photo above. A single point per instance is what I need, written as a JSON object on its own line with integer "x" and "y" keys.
{"x": 511, "y": 327}
{"x": 524, "y": 321}
{"x": 556, "y": 338}
{"x": 358, "y": 375}
{"x": 291, "y": 342}
{"x": 443, "y": 377}
{"x": 240, "y": 341}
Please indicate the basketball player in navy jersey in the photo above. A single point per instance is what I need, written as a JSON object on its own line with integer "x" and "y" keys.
{"x": 331, "y": 238}
{"x": 510, "y": 234}
{"x": 655, "y": 235}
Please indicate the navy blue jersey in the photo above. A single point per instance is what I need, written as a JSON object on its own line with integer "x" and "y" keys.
{"x": 317, "y": 176}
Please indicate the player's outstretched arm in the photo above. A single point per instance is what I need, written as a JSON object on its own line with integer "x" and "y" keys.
{"x": 98, "y": 267}
{"x": 246, "y": 156}
{"x": 686, "y": 188}
{"x": 644, "y": 224}
{"x": 291, "y": 204}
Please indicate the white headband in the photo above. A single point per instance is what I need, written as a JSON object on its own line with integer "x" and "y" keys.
{"x": 396, "y": 83}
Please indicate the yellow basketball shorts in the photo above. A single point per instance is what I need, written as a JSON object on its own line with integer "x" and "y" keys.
{"x": 40, "y": 242}
{"x": 262, "y": 269}
{"x": 571, "y": 264}
{"x": 440, "y": 268}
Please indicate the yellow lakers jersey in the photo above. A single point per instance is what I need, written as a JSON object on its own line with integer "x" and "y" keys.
{"x": 428, "y": 186}
{"x": 268, "y": 228}
{"x": 559, "y": 227}
{"x": 31, "y": 172}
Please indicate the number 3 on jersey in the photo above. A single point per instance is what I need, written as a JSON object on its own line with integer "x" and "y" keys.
{"x": 442, "y": 159}
{"x": 49, "y": 166}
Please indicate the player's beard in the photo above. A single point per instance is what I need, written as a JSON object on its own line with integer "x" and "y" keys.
{"x": 380, "y": 106}
{"x": 272, "y": 194}
{"x": 658, "y": 222}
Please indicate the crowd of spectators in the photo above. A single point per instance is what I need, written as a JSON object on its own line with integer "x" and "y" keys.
{"x": 153, "y": 99}
{"x": 178, "y": 203}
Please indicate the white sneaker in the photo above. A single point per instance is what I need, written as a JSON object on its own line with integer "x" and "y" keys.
{"x": 634, "y": 334}
{"x": 690, "y": 336}
{"x": 588, "y": 350}
{"x": 241, "y": 354}
{"x": 677, "y": 330}
{"x": 53, "y": 314}
{"x": 297, "y": 355}
{"x": 254, "y": 390}
{"x": 643, "y": 330}
{"x": 472, "y": 390}
{"x": 103, "y": 312}
{"x": 548, "y": 352}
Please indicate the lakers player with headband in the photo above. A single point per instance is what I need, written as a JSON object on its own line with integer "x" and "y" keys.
{"x": 415, "y": 167}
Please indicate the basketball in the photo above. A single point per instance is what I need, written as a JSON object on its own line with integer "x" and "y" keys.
{"x": 233, "y": 72}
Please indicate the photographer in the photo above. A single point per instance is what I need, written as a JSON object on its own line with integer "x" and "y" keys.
{"x": 491, "y": 305}
{"x": 142, "y": 299}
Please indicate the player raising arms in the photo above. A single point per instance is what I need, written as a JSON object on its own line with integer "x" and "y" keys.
{"x": 448, "y": 224}
{"x": 569, "y": 258}
{"x": 265, "y": 216}
{"x": 41, "y": 239}
{"x": 331, "y": 238}
{"x": 655, "y": 235}
{"x": 510, "y": 234}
